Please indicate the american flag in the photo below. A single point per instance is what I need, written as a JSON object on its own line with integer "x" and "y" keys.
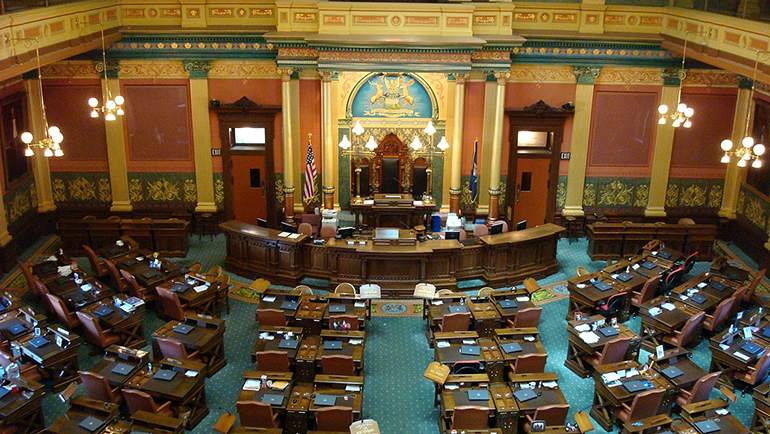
{"x": 308, "y": 192}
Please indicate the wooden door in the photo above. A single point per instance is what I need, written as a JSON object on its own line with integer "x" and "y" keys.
{"x": 531, "y": 194}
{"x": 248, "y": 173}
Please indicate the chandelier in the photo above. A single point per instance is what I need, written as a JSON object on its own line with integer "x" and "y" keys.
{"x": 114, "y": 106}
{"x": 429, "y": 152}
{"x": 748, "y": 151}
{"x": 50, "y": 144}
{"x": 680, "y": 117}
{"x": 357, "y": 149}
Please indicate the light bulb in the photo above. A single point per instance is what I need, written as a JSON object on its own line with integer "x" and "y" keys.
{"x": 110, "y": 116}
{"x": 48, "y": 153}
{"x": 443, "y": 144}
{"x": 28, "y": 152}
{"x": 741, "y": 163}
{"x": 93, "y": 102}
{"x": 662, "y": 109}
{"x": 94, "y": 114}
{"x": 725, "y": 159}
{"x": 677, "y": 123}
{"x": 430, "y": 129}
{"x": 759, "y": 149}
{"x": 662, "y": 120}
{"x": 726, "y": 145}
{"x": 358, "y": 129}
{"x": 756, "y": 164}
{"x": 746, "y": 156}
{"x": 120, "y": 111}
{"x": 344, "y": 143}
{"x": 371, "y": 144}
{"x": 119, "y": 100}
{"x": 416, "y": 143}
{"x": 687, "y": 124}
{"x": 57, "y": 138}
{"x": 26, "y": 137}
{"x": 58, "y": 153}
{"x": 747, "y": 142}
{"x": 689, "y": 112}
{"x": 110, "y": 105}
{"x": 54, "y": 131}
{"x": 681, "y": 107}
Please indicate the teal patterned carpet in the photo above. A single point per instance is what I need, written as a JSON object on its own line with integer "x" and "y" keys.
{"x": 395, "y": 393}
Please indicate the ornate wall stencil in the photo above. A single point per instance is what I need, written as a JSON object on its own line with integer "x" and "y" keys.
{"x": 615, "y": 196}
{"x": 162, "y": 191}
{"x": 81, "y": 190}
{"x": 21, "y": 201}
{"x": 753, "y": 208}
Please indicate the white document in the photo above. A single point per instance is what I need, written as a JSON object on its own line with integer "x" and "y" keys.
{"x": 294, "y": 236}
{"x": 442, "y": 344}
{"x": 589, "y": 337}
{"x": 201, "y": 288}
{"x": 583, "y": 328}
{"x": 284, "y": 234}
{"x": 668, "y": 306}
{"x": 269, "y": 299}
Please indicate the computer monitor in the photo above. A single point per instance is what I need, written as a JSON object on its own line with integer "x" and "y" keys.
{"x": 346, "y": 232}
{"x": 496, "y": 228}
{"x": 287, "y": 227}
{"x": 520, "y": 226}
{"x": 452, "y": 235}
{"x": 262, "y": 223}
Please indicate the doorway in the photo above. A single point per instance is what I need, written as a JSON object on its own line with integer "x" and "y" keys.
{"x": 246, "y": 130}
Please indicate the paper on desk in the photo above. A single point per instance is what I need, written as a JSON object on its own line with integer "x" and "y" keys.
{"x": 417, "y": 203}
{"x": 529, "y": 338}
{"x": 654, "y": 311}
{"x": 279, "y": 385}
{"x": 284, "y": 234}
{"x": 451, "y": 387}
{"x": 442, "y": 344}
{"x": 64, "y": 270}
{"x": 269, "y": 299}
{"x": 522, "y": 298}
{"x": 683, "y": 297}
{"x": 368, "y": 201}
{"x": 294, "y": 236}
{"x": 352, "y": 388}
{"x": 702, "y": 285}
{"x": 610, "y": 377}
{"x": 583, "y": 328}
{"x": 632, "y": 372}
{"x": 252, "y": 384}
{"x": 191, "y": 374}
{"x": 589, "y": 337}
{"x": 266, "y": 336}
{"x": 356, "y": 341}
{"x": 635, "y": 266}
{"x": 581, "y": 285}
{"x": 201, "y": 288}
{"x": 668, "y": 306}
{"x": 722, "y": 411}
{"x": 437, "y": 302}
{"x": 87, "y": 287}
{"x": 740, "y": 355}
{"x": 51, "y": 258}
{"x": 469, "y": 342}
{"x": 550, "y": 384}
{"x": 359, "y": 304}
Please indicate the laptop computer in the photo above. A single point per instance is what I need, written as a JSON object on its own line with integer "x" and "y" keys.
{"x": 699, "y": 298}
{"x": 325, "y": 400}
{"x": 183, "y": 328}
{"x": 272, "y": 399}
{"x": 39, "y": 342}
{"x": 337, "y": 308}
{"x": 478, "y": 395}
{"x": 289, "y": 305}
{"x": 114, "y": 250}
{"x": 633, "y": 386}
{"x": 511, "y": 347}
{"x": 288, "y": 344}
{"x": 609, "y": 331}
{"x": 3, "y": 392}
{"x": 672, "y": 372}
{"x": 61, "y": 280}
{"x": 523, "y": 395}
{"x": 649, "y": 265}
{"x": 164, "y": 375}
{"x": 719, "y": 286}
{"x": 707, "y": 426}
{"x": 766, "y": 332}
{"x": 179, "y": 287}
{"x": 602, "y": 286}
{"x": 122, "y": 369}
{"x": 458, "y": 309}
{"x": 91, "y": 424}
{"x": 470, "y": 350}
{"x": 104, "y": 311}
{"x": 17, "y": 328}
{"x": 508, "y": 304}
{"x": 625, "y": 277}
{"x": 332, "y": 345}
{"x": 149, "y": 274}
{"x": 47, "y": 268}
{"x": 751, "y": 348}
{"x": 128, "y": 263}
{"x": 664, "y": 255}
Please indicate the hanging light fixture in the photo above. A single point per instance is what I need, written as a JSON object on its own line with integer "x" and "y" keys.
{"x": 50, "y": 144}
{"x": 357, "y": 150}
{"x": 113, "y": 107}
{"x": 416, "y": 144}
{"x": 749, "y": 151}
{"x": 371, "y": 144}
{"x": 680, "y": 117}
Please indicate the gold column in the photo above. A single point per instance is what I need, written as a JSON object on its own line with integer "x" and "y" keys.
{"x": 455, "y": 186}
{"x": 40, "y": 168}
{"x": 5, "y": 237}
{"x": 497, "y": 146}
{"x": 664, "y": 144}
{"x": 288, "y": 146}
{"x": 576, "y": 175}
{"x": 201, "y": 129}
{"x": 327, "y": 132}
{"x": 735, "y": 175}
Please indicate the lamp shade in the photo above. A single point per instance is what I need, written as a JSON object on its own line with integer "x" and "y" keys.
{"x": 416, "y": 144}
{"x": 430, "y": 129}
{"x": 726, "y": 144}
{"x": 26, "y": 137}
{"x": 443, "y": 144}
{"x": 345, "y": 143}
{"x": 662, "y": 109}
{"x": 358, "y": 129}
{"x": 371, "y": 144}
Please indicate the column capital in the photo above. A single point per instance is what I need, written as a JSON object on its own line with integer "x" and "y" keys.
{"x": 745, "y": 82}
{"x": 327, "y": 76}
{"x": 460, "y": 78}
{"x": 502, "y": 77}
{"x": 197, "y": 68}
{"x": 672, "y": 76}
{"x": 286, "y": 73}
{"x": 113, "y": 68}
{"x": 328, "y": 189}
{"x": 288, "y": 189}
{"x": 586, "y": 74}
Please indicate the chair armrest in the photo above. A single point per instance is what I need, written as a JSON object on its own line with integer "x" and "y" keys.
{"x": 626, "y": 407}
{"x": 164, "y": 406}
{"x": 510, "y": 323}
{"x": 193, "y": 354}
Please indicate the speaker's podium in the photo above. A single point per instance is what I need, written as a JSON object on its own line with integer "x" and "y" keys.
{"x": 394, "y": 210}
{"x": 394, "y": 237}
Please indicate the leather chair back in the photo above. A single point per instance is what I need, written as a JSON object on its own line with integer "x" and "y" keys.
{"x": 97, "y": 387}
{"x": 255, "y": 414}
{"x": 761, "y": 368}
{"x": 530, "y": 364}
{"x": 137, "y": 400}
{"x": 529, "y": 317}
{"x": 338, "y": 365}
{"x": 327, "y": 232}
{"x": 335, "y": 419}
{"x": 646, "y": 404}
{"x": 115, "y": 279}
{"x": 690, "y": 329}
{"x": 721, "y": 313}
{"x": 480, "y": 230}
{"x": 702, "y": 388}
{"x": 132, "y": 285}
{"x": 42, "y": 291}
{"x": 271, "y": 317}
{"x": 649, "y": 288}
{"x": 273, "y": 361}
{"x": 615, "y": 351}
{"x": 171, "y": 348}
{"x": 93, "y": 329}
{"x": 470, "y": 417}
{"x": 28, "y": 276}
{"x": 305, "y": 229}
{"x": 753, "y": 285}
{"x": 456, "y": 322}
{"x": 97, "y": 267}
{"x": 62, "y": 312}
{"x": 553, "y": 415}
{"x": 170, "y": 304}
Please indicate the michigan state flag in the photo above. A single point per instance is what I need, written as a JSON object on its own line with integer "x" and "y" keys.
{"x": 474, "y": 180}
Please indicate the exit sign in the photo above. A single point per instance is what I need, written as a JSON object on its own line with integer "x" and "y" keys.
{"x": 216, "y": 152}
{"x": 565, "y": 155}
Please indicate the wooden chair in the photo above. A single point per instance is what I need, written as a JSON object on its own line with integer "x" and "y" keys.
{"x": 302, "y": 290}
{"x": 174, "y": 349}
{"x": 644, "y": 405}
{"x": 338, "y": 365}
{"x": 64, "y": 314}
{"x": 443, "y": 292}
{"x": 271, "y": 317}
{"x": 327, "y": 232}
{"x": 529, "y": 317}
{"x": 172, "y": 308}
{"x": 615, "y": 351}
{"x": 214, "y": 272}
{"x": 681, "y": 338}
{"x": 739, "y": 295}
{"x": 135, "y": 290}
{"x": 97, "y": 266}
{"x": 582, "y": 271}
{"x": 25, "y": 270}
{"x": 137, "y": 400}
{"x": 345, "y": 288}
{"x": 529, "y": 364}
{"x": 553, "y": 416}
{"x": 305, "y": 229}
{"x": 486, "y": 292}
{"x": 255, "y": 414}
{"x": 646, "y": 293}
{"x": 455, "y": 322}
{"x": 753, "y": 285}
{"x": 116, "y": 280}
{"x": 196, "y": 267}
{"x": 336, "y": 320}
{"x": 273, "y": 361}
{"x": 42, "y": 290}
{"x": 98, "y": 388}
{"x": 470, "y": 417}
{"x": 334, "y": 419}
{"x": 94, "y": 333}
{"x": 714, "y": 321}
{"x": 314, "y": 220}
{"x": 138, "y": 230}
{"x": 700, "y": 391}
{"x": 223, "y": 293}
{"x": 755, "y": 374}
{"x": 686, "y": 221}
{"x": 480, "y": 230}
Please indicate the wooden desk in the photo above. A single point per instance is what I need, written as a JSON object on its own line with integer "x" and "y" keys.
{"x": 355, "y": 350}
{"x": 521, "y": 298}
{"x": 459, "y": 398}
{"x": 274, "y": 298}
{"x": 584, "y": 296}
{"x": 527, "y": 338}
{"x": 380, "y": 212}
{"x": 499, "y": 260}
{"x": 614, "y": 240}
{"x": 680, "y": 358}
{"x": 760, "y": 423}
{"x": 356, "y": 306}
{"x": 724, "y": 358}
{"x": 310, "y": 314}
{"x": 434, "y": 310}
{"x": 129, "y": 326}
{"x": 206, "y": 337}
{"x": 73, "y": 295}
{"x": 156, "y": 424}
{"x": 61, "y": 362}
{"x": 167, "y": 271}
{"x": 721, "y": 267}
{"x": 579, "y": 350}
{"x": 269, "y": 337}
{"x": 115, "y": 355}
{"x": 115, "y": 252}
{"x": 484, "y": 315}
{"x": 28, "y": 318}
{"x": 80, "y": 409}
{"x": 301, "y": 409}
{"x": 667, "y": 321}
{"x": 181, "y": 390}
{"x": 607, "y": 398}
{"x": 707, "y": 410}
{"x": 248, "y": 395}
{"x": 203, "y": 302}
{"x": 489, "y": 354}
{"x": 712, "y": 289}
{"x": 546, "y": 395}
{"x": 22, "y": 409}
